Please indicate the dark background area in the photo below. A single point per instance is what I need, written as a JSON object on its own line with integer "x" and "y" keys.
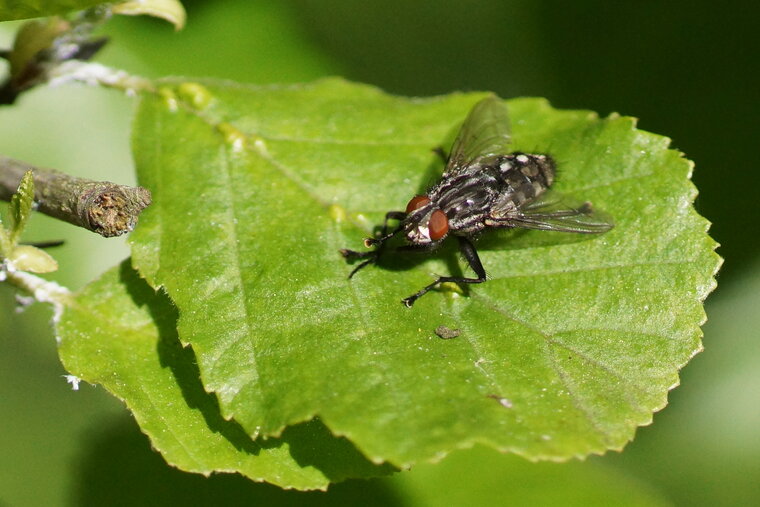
{"x": 687, "y": 69}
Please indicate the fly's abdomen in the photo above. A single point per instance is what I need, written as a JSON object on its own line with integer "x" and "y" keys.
{"x": 523, "y": 177}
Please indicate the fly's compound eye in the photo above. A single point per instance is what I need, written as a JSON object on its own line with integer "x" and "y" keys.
{"x": 438, "y": 225}
{"x": 417, "y": 202}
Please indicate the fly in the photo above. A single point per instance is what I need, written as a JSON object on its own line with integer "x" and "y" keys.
{"x": 483, "y": 186}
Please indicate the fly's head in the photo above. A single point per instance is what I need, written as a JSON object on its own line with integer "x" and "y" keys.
{"x": 425, "y": 223}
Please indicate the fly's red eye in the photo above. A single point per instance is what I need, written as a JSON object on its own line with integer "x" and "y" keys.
{"x": 417, "y": 202}
{"x": 438, "y": 225}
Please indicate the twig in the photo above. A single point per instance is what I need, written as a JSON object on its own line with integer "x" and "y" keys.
{"x": 99, "y": 206}
{"x": 44, "y": 291}
{"x": 95, "y": 74}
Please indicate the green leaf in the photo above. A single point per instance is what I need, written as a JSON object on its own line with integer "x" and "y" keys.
{"x": 32, "y": 259}
{"x": 170, "y": 10}
{"x": 122, "y": 334}
{"x": 6, "y": 246}
{"x": 572, "y": 343}
{"x": 21, "y": 206}
{"x": 39, "y": 8}
{"x": 32, "y": 38}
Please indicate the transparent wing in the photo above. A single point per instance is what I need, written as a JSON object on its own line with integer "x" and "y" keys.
{"x": 556, "y": 212}
{"x": 484, "y": 133}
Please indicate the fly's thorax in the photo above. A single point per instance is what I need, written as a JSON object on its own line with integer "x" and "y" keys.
{"x": 465, "y": 197}
{"x": 425, "y": 223}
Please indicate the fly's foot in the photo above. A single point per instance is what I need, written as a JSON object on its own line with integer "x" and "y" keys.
{"x": 352, "y": 255}
{"x": 408, "y": 302}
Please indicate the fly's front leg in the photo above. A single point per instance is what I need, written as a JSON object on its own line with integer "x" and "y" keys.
{"x": 384, "y": 236}
{"x": 471, "y": 255}
{"x": 372, "y": 255}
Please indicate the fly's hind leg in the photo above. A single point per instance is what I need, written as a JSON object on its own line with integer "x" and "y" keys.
{"x": 471, "y": 255}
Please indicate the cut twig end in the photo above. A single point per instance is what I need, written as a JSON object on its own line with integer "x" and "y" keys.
{"x": 99, "y": 206}
{"x": 112, "y": 210}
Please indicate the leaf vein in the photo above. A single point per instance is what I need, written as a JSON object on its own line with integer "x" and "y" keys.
{"x": 592, "y": 269}
{"x": 593, "y": 362}
{"x": 252, "y": 370}
{"x": 291, "y": 176}
{"x": 608, "y": 183}
{"x": 342, "y": 142}
{"x": 561, "y": 375}
{"x": 574, "y": 398}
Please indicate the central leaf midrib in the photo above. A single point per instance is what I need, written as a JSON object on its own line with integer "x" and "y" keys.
{"x": 253, "y": 372}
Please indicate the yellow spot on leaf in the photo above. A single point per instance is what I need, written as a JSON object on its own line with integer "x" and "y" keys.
{"x": 169, "y": 97}
{"x": 195, "y": 94}
{"x": 232, "y": 136}
{"x": 337, "y": 213}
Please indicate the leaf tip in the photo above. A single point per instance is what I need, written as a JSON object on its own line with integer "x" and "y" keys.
{"x": 168, "y": 10}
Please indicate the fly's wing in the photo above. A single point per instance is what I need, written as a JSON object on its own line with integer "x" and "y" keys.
{"x": 553, "y": 211}
{"x": 485, "y": 133}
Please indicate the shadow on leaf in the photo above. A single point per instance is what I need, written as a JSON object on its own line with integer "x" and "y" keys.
{"x": 311, "y": 444}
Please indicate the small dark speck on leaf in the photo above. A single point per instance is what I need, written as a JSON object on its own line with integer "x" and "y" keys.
{"x": 447, "y": 333}
{"x": 504, "y": 402}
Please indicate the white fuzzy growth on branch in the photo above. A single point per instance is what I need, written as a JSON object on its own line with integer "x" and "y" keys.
{"x": 95, "y": 74}
{"x": 43, "y": 291}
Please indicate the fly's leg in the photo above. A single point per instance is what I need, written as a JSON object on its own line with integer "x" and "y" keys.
{"x": 372, "y": 259}
{"x": 471, "y": 255}
{"x": 372, "y": 255}
{"x": 384, "y": 235}
{"x": 438, "y": 150}
{"x": 350, "y": 255}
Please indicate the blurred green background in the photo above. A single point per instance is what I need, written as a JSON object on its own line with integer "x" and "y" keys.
{"x": 687, "y": 69}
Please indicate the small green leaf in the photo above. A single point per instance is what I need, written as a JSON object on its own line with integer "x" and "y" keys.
{"x": 571, "y": 344}
{"x": 41, "y": 8}
{"x": 32, "y": 259}
{"x": 6, "y": 247}
{"x": 170, "y": 10}
{"x": 31, "y": 38}
{"x": 122, "y": 334}
{"x": 21, "y": 206}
